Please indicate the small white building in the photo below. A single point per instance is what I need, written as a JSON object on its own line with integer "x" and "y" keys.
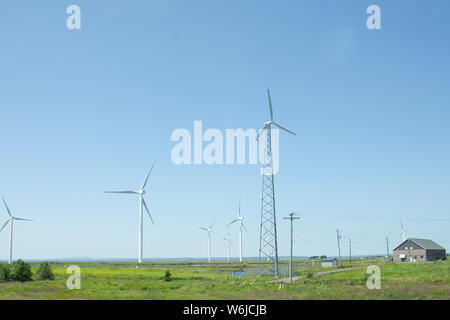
{"x": 329, "y": 263}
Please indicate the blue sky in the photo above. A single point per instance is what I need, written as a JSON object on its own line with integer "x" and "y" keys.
{"x": 83, "y": 111}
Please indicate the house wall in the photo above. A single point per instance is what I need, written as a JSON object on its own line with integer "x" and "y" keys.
{"x": 328, "y": 264}
{"x": 417, "y": 255}
{"x": 433, "y": 255}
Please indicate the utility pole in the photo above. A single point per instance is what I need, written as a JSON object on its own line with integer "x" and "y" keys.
{"x": 350, "y": 246}
{"x": 387, "y": 249}
{"x": 339, "y": 245}
{"x": 291, "y": 217}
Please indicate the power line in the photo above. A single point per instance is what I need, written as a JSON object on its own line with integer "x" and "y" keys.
{"x": 374, "y": 217}
{"x": 330, "y": 241}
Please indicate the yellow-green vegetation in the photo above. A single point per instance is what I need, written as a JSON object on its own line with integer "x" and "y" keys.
{"x": 213, "y": 281}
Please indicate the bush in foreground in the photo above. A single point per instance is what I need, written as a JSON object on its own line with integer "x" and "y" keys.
{"x": 44, "y": 272}
{"x": 21, "y": 271}
{"x": 4, "y": 272}
{"x": 168, "y": 276}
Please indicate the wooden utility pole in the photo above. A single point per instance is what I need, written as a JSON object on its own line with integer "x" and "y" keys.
{"x": 291, "y": 217}
{"x": 350, "y": 246}
{"x": 387, "y": 249}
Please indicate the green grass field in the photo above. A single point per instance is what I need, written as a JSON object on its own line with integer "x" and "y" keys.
{"x": 213, "y": 281}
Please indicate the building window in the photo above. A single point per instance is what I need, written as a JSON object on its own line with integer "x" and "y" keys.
{"x": 421, "y": 257}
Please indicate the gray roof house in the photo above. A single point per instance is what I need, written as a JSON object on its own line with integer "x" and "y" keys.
{"x": 417, "y": 250}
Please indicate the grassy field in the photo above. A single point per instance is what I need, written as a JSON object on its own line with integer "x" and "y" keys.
{"x": 213, "y": 281}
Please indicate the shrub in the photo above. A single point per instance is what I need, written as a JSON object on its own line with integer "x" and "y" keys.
{"x": 21, "y": 271}
{"x": 44, "y": 272}
{"x": 4, "y": 272}
{"x": 168, "y": 276}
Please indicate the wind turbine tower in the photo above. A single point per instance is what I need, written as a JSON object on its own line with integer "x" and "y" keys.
{"x": 241, "y": 225}
{"x": 10, "y": 220}
{"x": 142, "y": 204}
{"x": 268, "y": 247}
{"x": 228, "y": 240}
{"x": 209, "y": 230}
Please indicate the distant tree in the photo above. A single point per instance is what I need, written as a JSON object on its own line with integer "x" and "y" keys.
{"x": 168, "y": 276}
{"x": 21, "y": 271}
{"x": 323, "y": 257}
{"x": 44, "y": 272}
{"x": 4, "y": 272}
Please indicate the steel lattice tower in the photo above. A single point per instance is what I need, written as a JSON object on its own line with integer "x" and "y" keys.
{"x": 268, "y": 248}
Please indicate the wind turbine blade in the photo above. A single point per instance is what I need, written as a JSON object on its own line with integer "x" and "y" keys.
{"x": 9, "y": 212}
{"x": 244, "y": 227}
{"x": 270, "y": 105}
{"x": 145, "y": 205}
{"x": 4, "y": 225}
{"x": 231, "y": 222}
{"x": 22, "y": 219}
{"x": 212, "y": 224}
{"x": 132, "y": 192}
{"x": 203, "y": 228}
{"x": 283, "y": 128}
{"x": 146, "y": 179}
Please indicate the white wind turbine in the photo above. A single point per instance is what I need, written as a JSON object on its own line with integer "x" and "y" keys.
{"x": 142, "y": 203}
{"x": 209, "y": 239}
{"x": 403, "y": 232}
{"x": 11, "y": 220}
{"x": 228, "y": 240}
{"x": 241, "y": 225}
{"x": 268, "y": 124}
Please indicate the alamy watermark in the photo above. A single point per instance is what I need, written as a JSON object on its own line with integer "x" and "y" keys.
{"x": 374, "y": 281}
{"x": 373, "y": 22}
{"x": 74, "y": 20}
{"x": 74, "y": 280}
{"x": 236, "y": 146}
